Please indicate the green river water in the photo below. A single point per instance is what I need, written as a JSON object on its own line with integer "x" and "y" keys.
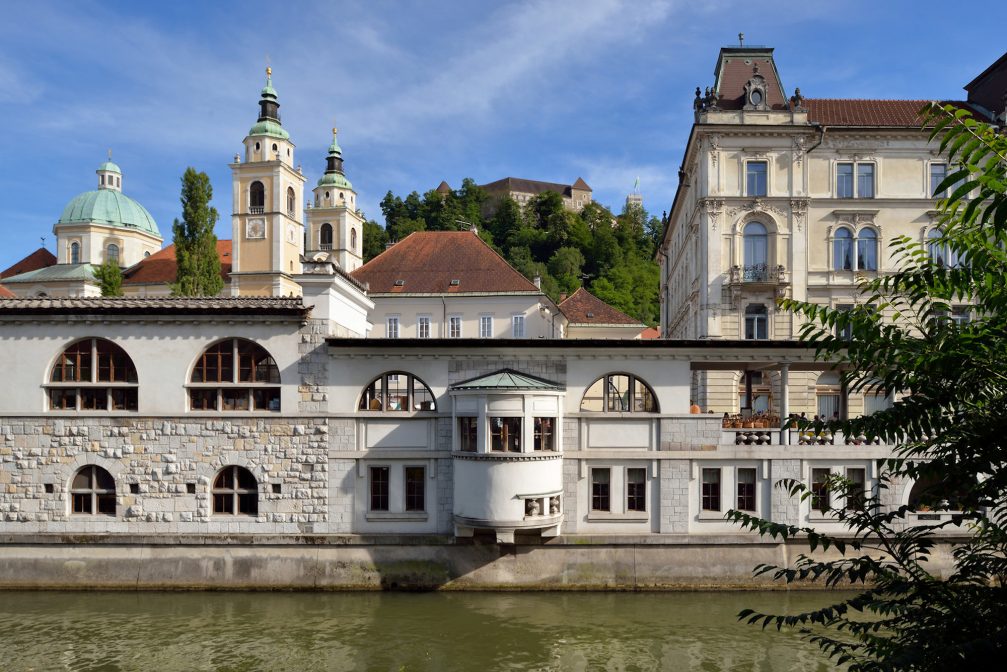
{"x": 400, "y": 631}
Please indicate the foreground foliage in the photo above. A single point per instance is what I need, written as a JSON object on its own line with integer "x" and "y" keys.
{"x": 198, "y": 265}
{"x": 950, "y": 430}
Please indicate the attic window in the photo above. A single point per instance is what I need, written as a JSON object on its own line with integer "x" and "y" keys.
{"x": 455, "y": 283}
{"x": 590, "y": 314}
{"x": 400, "y": 283}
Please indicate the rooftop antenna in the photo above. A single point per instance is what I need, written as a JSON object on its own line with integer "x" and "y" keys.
{"x": 741, "y": 39}
{"x": 43, "y": 241}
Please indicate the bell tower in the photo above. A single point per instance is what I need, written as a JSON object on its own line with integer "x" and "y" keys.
{"x": 335, "y": 227}
{"x": 267, "y": 225}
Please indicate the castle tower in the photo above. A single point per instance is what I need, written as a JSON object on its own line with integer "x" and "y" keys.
{"x": 334, "y": 225}
{"x": 267, "y": 224}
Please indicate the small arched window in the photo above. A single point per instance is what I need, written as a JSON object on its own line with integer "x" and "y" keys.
{"x": 867, "y": 250}
{"x": 291, "y": 201}
{"x": 619, "y": 393}
{"x": 75, "y": 253}
{"x": 256, "y": 198}
{"x": 112, "y": 253}
{"x": 93, "y": 375}
{"x": 842, "y": 250}
{"x": 325, "y": 237}
{"x": 756, "y": 253}
{"x": 353, "y": 239}
{"x": 92, "y": 492}
{"x": 235, "y": 375}
{"x": 397, "y": 391}
{"x": 235, "y": 492}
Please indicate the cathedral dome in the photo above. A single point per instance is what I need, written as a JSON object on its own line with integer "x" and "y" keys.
{"x": 337, "y": 180}
{"x": 111, "y": 207}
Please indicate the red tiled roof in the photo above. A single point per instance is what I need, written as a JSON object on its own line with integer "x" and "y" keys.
{"x": 650, "y": 332}
{"x": 583, "y": 307}
{"x": 855, "y": 112}
{"x": 581, "y": 184}
{"x": 160, "y": 268}
{"x": 40, "y": 258}
{"x": 428, "y": 261}
{"x": 733, "y": 72}
{"x": 6, "y": 293}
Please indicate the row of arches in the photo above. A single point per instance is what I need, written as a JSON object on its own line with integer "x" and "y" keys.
{"x": 234, "y": 492}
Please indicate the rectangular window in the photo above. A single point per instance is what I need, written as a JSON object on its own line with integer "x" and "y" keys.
{"x": 756, "y": 172}
{"x": 636, "y": 489}
{"x": 757, "y": 326}
{"x": 828, "y": 405}
{"x": 392, "y": 327}
{"x": 844, "y": 180}
{"x": 234, "y": 399}
{"x": 855, "y": 495}
{"x": 545, "y": 434}
{"x": 711, "y": 490}
{"x": 455, "y": 326}
{"x": 94, "y": 399}
{"x": 961, "y": 315}
{"x": 505, "y": 435}
{"x": 845, "y": 333}
{"x": 820, "y": 490}
{"x": 865, "y": 180}
{"x": 62, "y": 399}
{"x": 415, "y": 489}
{"x": 517, "y": 326}
{"x": 485, "y": 326}
{"x": 746, "y": 489}
{"x": 938, "y": 171}
{"x": 467, "y": 428}
{"x": 423, "y": 326}
{"x": 124, "y": 399}
{"x": 379, "y": 488}
{"x": 266, "y": 398}
{"x": 876, "y": 402}
{"x": 600, "y": 489}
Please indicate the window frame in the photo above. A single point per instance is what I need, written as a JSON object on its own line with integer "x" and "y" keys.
{"x": 379, "y": 489}
{"x": 392, "y": 326}
{"x": 710, "y": 492}
{"x": 855, "y": 189}
{"x": 95, "y": 496}
{"x": 410, "y": 496}
{"x": 235, "y": 492}
{"x": 632, "y": 404}
{"x": 454, "y": 326}
{"x": 518, "y": 324}
{"x": 750, "y": 174}
{"x": 485, "y": 326}
{"x": 754, "y": 319}
{"x": 377, "y": 397}
{"x": 423, "y": 329}
{"x": 81, "y": 379}
{"x": 235, "y": 395}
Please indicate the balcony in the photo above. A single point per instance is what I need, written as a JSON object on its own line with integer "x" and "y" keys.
{"x": 760, "y": 274}
{"x": 256, "y": 209}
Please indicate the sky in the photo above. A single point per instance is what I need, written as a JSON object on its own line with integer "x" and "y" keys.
{"x": 422, "y": 91}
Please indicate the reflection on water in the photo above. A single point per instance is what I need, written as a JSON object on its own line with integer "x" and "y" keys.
{"x": 397, "y": 631}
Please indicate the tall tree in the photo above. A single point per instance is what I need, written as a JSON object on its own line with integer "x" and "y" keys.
{"x": 109, "y": 277}
{"x": 950, "y": 431}
{"x": 195, "y": 243}
{"x": 375, "y": 239}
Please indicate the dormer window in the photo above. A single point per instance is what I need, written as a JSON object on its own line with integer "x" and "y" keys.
{"x": 755, "y": 91}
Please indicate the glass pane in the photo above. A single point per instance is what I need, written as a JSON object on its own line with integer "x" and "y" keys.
{"x": 82, "y": 503}
{"x": 379, "y": 488}
{"x": 467, "y": 434}
{"x": 82, "y": 479}
{"x": 423, "y": 398}
{"x": 938, "y": 171}
{"x": 828, "y": 406}
{"x": 636, "y": 489}
{"x": 594, "y": 398}
{"x": 372, "y": 399}
{"x": 248, "y": 503}
{"x": 544, "y": 434}
{"x": 844, "y": 180}
{"x": 63, "y": 399}
{"x": 223, "y": 503}
{"x": 643, "y": 398}
{"x": 234, "y": 399}
{"x": 415, "y": 484}
{"x": 266, "y": 399}
{"x": 398, "y": 392}
{"x": 94, "y": 399}
{"x": 711, "y": 490}
{"x": 865, "y": 180}
{"x": 106, "y": 504}
{"x": 103, "y": 479}
{"x": 819, "y": 491}
{"x": 618, "y": 393}
{"x": 224, "y": 480}
{"x": 600, "y": 479}
{"x": 246, "y": 481}
{"x": 746, "y": 489}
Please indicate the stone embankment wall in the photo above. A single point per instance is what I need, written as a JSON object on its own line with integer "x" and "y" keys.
{"x": 406, "y": 563}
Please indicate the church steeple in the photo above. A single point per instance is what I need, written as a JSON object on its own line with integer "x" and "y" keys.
{"x": 334, "y": 223}
{"x": 109, "y": 175}
{"x": 269, "y": 105}
{"x": 334, "y": 161}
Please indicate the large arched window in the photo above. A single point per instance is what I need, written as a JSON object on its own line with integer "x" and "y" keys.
{"x": 619, "y": 393}
{"x": 867, "y": 250}
{"x": 291, "y": 201}
{"x": 235, "y": 492}
{"x": 112, "y": 253}
{"x": 842, "y": 250}
{"x": 397, "y": 391}
{"x": 93, "y": 375}
{"x": 74, "y": 253}
{"x": 235, "y": 375}
{"x": 256, "y": 198}
{"x": 325, "y": 237}
{"x": 756, "y": 253}
{"x": 92, "y": 492}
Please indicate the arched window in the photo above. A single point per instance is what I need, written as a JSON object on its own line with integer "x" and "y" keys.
{"x": 235, "y": 375}
{"x": 867, "y": 250}
{"x": 92, "y": 492}
{"x": 353, "y": 239}
{"x": 941, "y": 253}
{"x": 93, "y": 375}
{"x": 235, "y": 492}
{"x": 842, "y": 250}
{"x": 756, "y": 322}
{"x": 397, "y": 391}
{"x": 619, "y": 393}
{"x": 74, "y": 253}
{"x": 112, "y": 253}
{"x": 256, "y": 198}
{"x": 827, "y": 394}
{"x": 756, "y": 252}
{"x": 325, "y": 237}
{"x": 291, "y": 201}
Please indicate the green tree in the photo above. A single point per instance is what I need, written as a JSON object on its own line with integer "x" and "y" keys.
{"x": 198, "y": 265}
{"x": 950, "y": 430}
{"x": 109, "y": 277}
{"x": 375, "y": 239}
{"x": 565, "y": 266}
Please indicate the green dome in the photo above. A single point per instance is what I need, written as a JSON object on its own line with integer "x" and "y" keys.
{"x": 334, "y": 180}
{"x": 108, "y": 206}
{"x": 110, "y": 167}
{"x": 270, "y": 128}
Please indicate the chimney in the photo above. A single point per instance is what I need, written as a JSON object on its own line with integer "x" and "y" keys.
{"x": 562, "y": 297}
{"x": 538, "y": 281}
{"x": 389, "y": 244}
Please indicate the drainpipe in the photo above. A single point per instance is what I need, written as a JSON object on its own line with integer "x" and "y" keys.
{"x": 444, "y": 318}
{"x": 821, "y": 137}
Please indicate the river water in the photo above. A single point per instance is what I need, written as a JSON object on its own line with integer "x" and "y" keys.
{"x": 400, "y": 632}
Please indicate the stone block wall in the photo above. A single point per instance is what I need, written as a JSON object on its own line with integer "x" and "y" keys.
{"x": 785, "y": 509}
{"x": 674, "y": 496}
{"x": 164, "y": 470}
{"x": 313, "y": 367}
{"x": 690, "y": 433}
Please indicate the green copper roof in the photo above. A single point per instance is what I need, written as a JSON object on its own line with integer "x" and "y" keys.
{"x": 270, "y": 128}
{"x": 111, "y": 207}
{"x": 55, "y": 273}
{"x": 334, "y": 180}
{"x": 110, "y": 167}
{"x": 506, "y": 379}
{"x": 268, "y": 89}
